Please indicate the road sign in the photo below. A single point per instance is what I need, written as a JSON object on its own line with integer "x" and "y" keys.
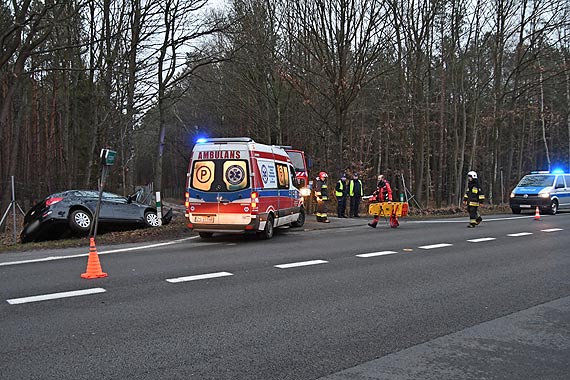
{"x": 108, "y": 157}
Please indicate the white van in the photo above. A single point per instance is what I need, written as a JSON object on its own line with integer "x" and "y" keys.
{"x": 546, "y": 190}
{"x": 235, "y": 185}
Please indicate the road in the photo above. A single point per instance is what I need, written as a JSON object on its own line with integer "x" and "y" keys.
{"x": 428, "y": 300}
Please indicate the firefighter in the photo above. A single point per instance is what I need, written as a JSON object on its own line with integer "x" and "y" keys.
{"x": 322, "y": 195}
{"x": 472, "y": 198}
{"x": 383, "y": 193}
{"x": 355, "y": 191}
{"x": 341, "y": 192}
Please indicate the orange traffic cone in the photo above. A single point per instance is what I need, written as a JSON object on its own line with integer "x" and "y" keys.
{"x": 537, "y": 214}
{"x": 93, "y": 265}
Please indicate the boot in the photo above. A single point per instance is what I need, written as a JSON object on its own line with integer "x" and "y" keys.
{"x": 479, "y": 219}
{"x": 373, "y": 224}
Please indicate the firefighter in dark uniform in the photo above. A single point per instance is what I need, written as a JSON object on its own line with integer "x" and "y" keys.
{"x": 472, "y": 198}
{"x": 322, "y": 195}
{"x": 341, "y": 192}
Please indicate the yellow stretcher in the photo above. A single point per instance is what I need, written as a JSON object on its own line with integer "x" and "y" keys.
{"x": 388, "y": 208}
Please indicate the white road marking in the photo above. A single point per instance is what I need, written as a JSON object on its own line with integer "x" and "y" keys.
{"x": 520, "y": 234}
{"x": 52, "y": 258}
{"x": 199, "y": 277}
{"x": 463, "y": 220}
{"x": 300, "y": 264}
{"x": 480, "y": 240}
{"x": 553, "y": 230}
{"x": 373, "y": 254}
{"x": 442, "y": 245}
{"x": 53, "y": 296}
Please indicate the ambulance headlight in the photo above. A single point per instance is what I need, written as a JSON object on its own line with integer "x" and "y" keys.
{"x": 512, "y": 195}
{"x": 544, "y": 195}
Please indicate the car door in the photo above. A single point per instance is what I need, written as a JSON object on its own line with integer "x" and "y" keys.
{"x": 91, "y": 198}
{"x": 121, "y": 210}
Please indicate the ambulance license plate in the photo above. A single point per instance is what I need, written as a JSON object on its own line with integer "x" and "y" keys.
{"x": 203, "y": 219}
{"x": 525, "y": 206}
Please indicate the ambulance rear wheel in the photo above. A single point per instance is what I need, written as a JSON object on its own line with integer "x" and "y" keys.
{"x": 205, "y": 235}
{"x": 301, "y": 220}
{"x": 267, "y": 232}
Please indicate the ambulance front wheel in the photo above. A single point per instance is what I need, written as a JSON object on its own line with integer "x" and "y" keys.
{"x": 301, "y": 220}
{"x": 267, "y": 232}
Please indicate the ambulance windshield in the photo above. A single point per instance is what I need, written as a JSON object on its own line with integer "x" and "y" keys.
{"x": 220, "y": 175}
{"x": 297, "y": 160}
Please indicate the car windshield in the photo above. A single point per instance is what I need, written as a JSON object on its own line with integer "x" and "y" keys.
{"x": 537, "y": 181}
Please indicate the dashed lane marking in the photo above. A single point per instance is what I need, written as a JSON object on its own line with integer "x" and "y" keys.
{"x": 53, "y": 296}
{"x": 373, "y": 254}
{"x": 553, "y": 230}
{"x": 433, "y": 246}
{"x": 199, "y": 277}
{"x": 520, "y": 234}
{"x": 300, "y": 264}
{"x": 480, "y": 240}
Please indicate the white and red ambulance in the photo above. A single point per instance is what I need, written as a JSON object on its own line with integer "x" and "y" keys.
{"x": 235, "y": 185}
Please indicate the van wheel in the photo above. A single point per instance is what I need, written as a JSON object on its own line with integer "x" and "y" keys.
{"x": 553, "y": 207}
{"x": 516, "y": 210}
{"x": 205, "y": 235}
{"x": 267, "y": 232}
{"x": 301, "y": 220}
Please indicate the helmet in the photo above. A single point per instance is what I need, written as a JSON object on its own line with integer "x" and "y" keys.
{"x": 323, "y": 175}
{"x": 472, "y": 174}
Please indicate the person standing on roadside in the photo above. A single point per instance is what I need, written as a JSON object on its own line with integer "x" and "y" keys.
{"x": 322, "y": 195}
{"x": 472, "y": 198}
{"x": 383, "y": 193}
{"x": 341, "y": 192}
{"x": 355, "y": 192}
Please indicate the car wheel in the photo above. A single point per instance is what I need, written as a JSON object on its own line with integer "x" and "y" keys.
{"x": 151, "y": 219}
{"x": 80, "y": 221}
{"x": 553, "y": 207}
{"x": 301, "y": 220}
{"x": 267, "y": 232}
{"x": 516, "y": 210}
{"x": 205, "y": 235}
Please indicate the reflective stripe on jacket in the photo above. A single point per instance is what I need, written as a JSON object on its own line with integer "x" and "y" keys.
{"x": 473, "y": 195}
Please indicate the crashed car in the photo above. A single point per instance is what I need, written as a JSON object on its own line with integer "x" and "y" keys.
{"x": 72, "y": 212}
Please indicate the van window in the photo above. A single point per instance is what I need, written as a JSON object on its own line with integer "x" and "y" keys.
{"x": 282, "y": 176}
{"x": 567, "y": 178}
{"x": 220, "y": 175}
{"x": 537, "y": 181}
{"x": 559, "y": 183}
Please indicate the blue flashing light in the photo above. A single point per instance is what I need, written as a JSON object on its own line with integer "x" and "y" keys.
{"x": 201, "y": 140}
{"x": 558, "y": 171}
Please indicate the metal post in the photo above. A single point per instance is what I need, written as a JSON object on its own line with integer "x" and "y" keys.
{"x": 158, "y": 208}
{"x": 14, "y": 210}
{"x": 93, "y": 232}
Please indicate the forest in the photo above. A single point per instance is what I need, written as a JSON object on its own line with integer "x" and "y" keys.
{"x": 421, "y": 91}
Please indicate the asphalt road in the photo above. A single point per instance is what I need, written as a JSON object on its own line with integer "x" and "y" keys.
{"x": 428, "y": 300}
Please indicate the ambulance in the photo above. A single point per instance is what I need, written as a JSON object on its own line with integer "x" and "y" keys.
{"x": 235, "y": 185}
